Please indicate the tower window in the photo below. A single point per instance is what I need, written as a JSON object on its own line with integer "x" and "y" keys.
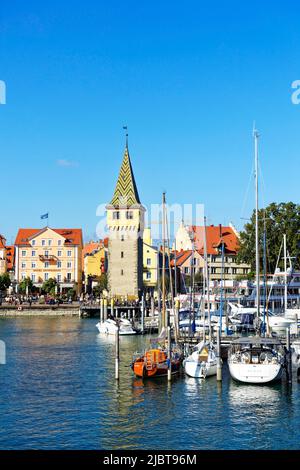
{"x": 129, "y": 215}
{"x": 122, "y": 238}
{"x": 122, "y": 254}
{"x": 116, "y": 215}
{"x": 122, "y": 272}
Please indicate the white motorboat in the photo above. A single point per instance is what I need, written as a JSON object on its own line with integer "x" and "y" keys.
{"x": 295, "y": 349}
{"x": 109, "y": 327}
{"x": 256, "y": 360}
{"x": 202, "y": 362}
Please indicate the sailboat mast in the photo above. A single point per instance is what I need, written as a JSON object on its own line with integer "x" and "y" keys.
{"x": 256, "y": 136}
{"x": 285, "y": 274}
{"x": 207, "y": 279}
{"x": 164, "y": 264}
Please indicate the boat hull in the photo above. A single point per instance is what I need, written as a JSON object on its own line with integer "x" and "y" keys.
{"x": 140, "y": 369}
{"x": 111, "y": 330}
{"x": 255, "y": 373}
{"x": 200, "y": 370}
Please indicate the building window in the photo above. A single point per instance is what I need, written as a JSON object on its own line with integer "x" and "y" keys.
{"x": 59, "y": 264}
{"x": 23, "y": 265}
{"x": 69, "y": 253}
{"x": 49, "y": 242}
{"x": 213, "y": 270}
{"x": 148, "y": 275}
{"x": 233, "y": 270}
{"x": 33, "y": 265}
{"x": 59, "y": 253}
{"x": 122, "y": 272}
{"x": 69, "y": 264}
{"x": 43, "y": 242}
{"x": 33, "y": 243}
{"x": 46, "y": 253}
{"x": 33, "y": 277}
{"x": 122, "y": 238}
{"x": 69, "y": 276}
{"x": 186, "y": 270}
{"x": 23, "y": 253}
{"x": 59, "y": 242}
{"x": 129, "y": 215}
{"x": 226, "y": 270}
{"x": 148, "y": 261}
{"x": 23, "y": 276}
{"x": 59, "y": 278}
{"x": 46, "y": 264}
{"x": 122, "y": 254}
{"x": 116, "y": 215}
{"x": 213, "y": 259}
{"x": 33, "y": 253}
{"x": 245, "y": 271}
{"x": 46, "y": 276}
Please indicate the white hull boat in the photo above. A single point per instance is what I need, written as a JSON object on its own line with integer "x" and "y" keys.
{"x": 202, "y": 362}
{"x": 109, "y": 327}
{"x": 256, "y": 360}
{"x": 255, "y": 373}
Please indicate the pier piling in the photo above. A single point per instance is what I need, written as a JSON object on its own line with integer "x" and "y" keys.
{"x": 219, "y": 360}
{"x": 101, "y": 310}
{"x": 117, "y": 350}
{"x": 105, "y": 309}
{"x": 169, "y": 355}
{"x": 288, "y": 358}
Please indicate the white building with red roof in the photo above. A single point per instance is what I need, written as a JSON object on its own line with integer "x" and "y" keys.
{"x": 189, "y": 238}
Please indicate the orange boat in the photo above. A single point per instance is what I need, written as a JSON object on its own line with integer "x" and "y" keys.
{"x": 154, "y": 363}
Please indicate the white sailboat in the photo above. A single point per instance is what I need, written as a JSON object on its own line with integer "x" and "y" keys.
{"x": 202, "y": 362}
{"x": 256, "y": 359}
{"x": 109, "y": 327}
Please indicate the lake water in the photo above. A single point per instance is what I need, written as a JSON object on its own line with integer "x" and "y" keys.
{"x": 57, "y": 391}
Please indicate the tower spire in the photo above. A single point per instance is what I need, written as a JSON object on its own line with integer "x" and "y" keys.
{"x": 126, "y": 193}
{"x": 126, "y": 142}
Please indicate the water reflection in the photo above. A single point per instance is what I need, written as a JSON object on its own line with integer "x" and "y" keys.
{"x": 63, "y": 394}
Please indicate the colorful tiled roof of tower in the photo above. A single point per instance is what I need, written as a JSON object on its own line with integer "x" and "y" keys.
{"x": 126, "y": 193}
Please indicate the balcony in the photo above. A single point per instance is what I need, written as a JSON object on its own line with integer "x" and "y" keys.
{"x": 50, "y": 258}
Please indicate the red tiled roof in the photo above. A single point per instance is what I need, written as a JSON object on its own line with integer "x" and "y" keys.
{"x": 214, "y": 237}
{"x": 90, "y": 247}
{"x": 2, "y": 241}
{"x": 73, "y": 236}
{"x": 182, "y": 256}
{"x": 10, "y": 257}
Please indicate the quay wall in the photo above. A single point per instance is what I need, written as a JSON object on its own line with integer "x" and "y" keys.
{"x": 39, "y": 311}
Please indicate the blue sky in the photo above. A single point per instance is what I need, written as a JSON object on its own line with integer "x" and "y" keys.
{"x": 188, "y": 78}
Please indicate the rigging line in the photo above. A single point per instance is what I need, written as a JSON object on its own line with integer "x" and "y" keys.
{"x": 278, "y": 259}
{"x": 262, "y": 185}
{"x": 247, "y": 191}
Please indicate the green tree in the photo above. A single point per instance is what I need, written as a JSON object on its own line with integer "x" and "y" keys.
{"x": 279, "y": 219}
{"x": 101, "y": 286}
{"x": 24, "y": 284}
{"x": 4, "y": 282}
{"x": 49, "y": 286}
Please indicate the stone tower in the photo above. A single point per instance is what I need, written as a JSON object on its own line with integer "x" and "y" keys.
{"x": 125, "y": 222}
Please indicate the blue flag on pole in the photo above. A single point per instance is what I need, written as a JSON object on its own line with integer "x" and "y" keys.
{"x": 44, "y": 216}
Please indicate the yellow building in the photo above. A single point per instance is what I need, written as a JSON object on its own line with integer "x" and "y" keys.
{"x": 42, "y": 254}
{"x": 150, "y": 260}
{"x": 94, "y": 256}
